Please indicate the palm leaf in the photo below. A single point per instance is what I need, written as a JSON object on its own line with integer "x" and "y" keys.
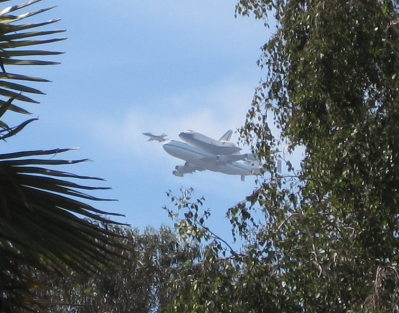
{"x": 16, "y": 95}
{"x": 22, "y": 77}
{"x": 14, "y": 37}
{"x": 13, "y": 108}
{"x": 9, "y": 132}
{"x": 32, "y": 34}
{"x": 5, "y": 106}
{"x": 23, "y": 43}
{"x": 14, "y": 18}
{"x": 19, "y": 87}
{"x": 17, "y": 7}
{"x": 47, "y": 220}
{"x": 14, "y": 28}
{"x": 41, "y": 213}
{"x": 13, "y": 53}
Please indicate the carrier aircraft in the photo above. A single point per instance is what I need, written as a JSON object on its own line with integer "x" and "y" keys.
{"x": 202, "y": 153}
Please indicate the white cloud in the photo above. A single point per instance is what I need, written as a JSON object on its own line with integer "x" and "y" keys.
{"x": 210, "y": 110}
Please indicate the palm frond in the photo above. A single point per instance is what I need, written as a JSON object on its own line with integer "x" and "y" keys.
{"x": 41, "y": 213}
{"x": 22, "y": 77}
{"x": 14, "y": 37}
{"x": 20, "y": 88}
{"x": 17, "y": 7}
{"x": 9, "y": 132}
{"x": 14, "y": 18}
{"x": 46, "y": 217}
{"x": 16, "y": 95}
{"x": 13, "y": 108}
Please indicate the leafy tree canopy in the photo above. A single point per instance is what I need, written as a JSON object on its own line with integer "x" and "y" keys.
{"x": 322, "y": 237}
{"x": 142, "y": 281}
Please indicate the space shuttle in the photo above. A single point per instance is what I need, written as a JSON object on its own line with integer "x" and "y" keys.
{"x": 218, "y": 147}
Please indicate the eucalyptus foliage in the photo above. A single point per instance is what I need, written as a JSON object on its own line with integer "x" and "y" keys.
{"x": 46, "y": 219}
{"x": 321, "y": 236}
{"x": 143, "y": 281}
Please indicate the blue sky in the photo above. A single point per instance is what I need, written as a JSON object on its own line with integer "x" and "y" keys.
{"x": 136, "y": 66}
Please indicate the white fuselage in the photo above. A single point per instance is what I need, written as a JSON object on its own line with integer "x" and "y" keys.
{"x": 207, "y": 160}
{"x": 208, "y": 144}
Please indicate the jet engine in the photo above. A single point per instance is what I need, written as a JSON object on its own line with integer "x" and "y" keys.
{"x": 178, "y": 171}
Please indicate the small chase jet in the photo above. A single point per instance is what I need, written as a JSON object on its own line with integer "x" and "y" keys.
{"x": 159, "y": 138}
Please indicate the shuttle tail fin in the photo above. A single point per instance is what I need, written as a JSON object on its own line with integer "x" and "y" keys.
{"x": 226, "y": 136}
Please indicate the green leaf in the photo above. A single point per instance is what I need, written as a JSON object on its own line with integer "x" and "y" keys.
{"x": 31, "y": 34}
{"x": 21, "y": 77}
{"x": 19, "y": 87}
{"x": 17, "y": 7}
{"x": 15, "y": 130}
{"x": 27, "y": 62}
{"x": 24, "y": 43}
{"x": 15, "y": 95}
{"x": 6, "y": 19}
{"x": 5, "y": 106}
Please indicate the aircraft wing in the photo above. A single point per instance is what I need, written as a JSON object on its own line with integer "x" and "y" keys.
{"x": 227, "y": 158}
{"x": 187, "y": 168}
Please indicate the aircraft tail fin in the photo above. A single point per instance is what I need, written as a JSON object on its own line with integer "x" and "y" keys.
{"x": 226, "y": 136}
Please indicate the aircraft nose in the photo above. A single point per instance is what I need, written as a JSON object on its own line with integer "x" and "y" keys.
{"x": 172, "y": 147}
{"x": 167, "y": 146}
